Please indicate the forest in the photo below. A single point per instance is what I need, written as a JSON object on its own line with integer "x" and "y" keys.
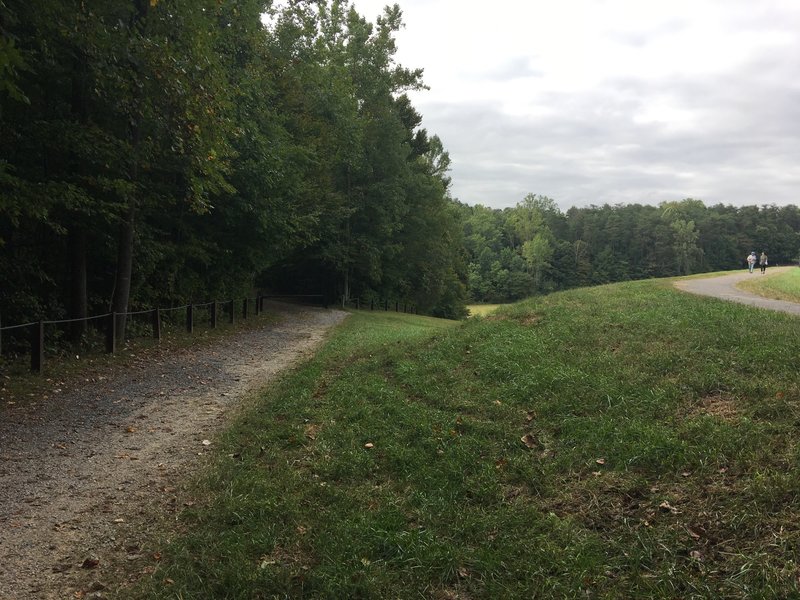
{"x": 534, "y": 248}
{"x": 158, "y": 152}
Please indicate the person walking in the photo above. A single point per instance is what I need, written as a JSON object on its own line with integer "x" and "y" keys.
{"x": 751, "y": 261}
{"x": 762, "y": 262}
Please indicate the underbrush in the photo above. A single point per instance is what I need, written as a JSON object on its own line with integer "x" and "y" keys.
{"x": 619, "y": 441}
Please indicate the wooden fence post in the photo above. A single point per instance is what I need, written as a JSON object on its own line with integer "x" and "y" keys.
{"x": 214, "y": 314}
{"x": 157, "y": 324}
{"x": 244, "y": 309}
{"x": 190, "y": 318}
{"x": 37, "y": 346}
{"x": 111, "y": 333}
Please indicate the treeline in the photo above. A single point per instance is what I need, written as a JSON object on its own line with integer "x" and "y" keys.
{"x": 158, "y": 152}
{"x": 534, "y": 248}
{"x": 154, "y": 152}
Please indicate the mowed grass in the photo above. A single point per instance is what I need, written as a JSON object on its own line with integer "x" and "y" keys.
{"x": 620, "y": 441}
{"x": 780, "y": 286}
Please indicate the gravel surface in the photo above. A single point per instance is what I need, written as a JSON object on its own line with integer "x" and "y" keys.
{"x": 86, "y": 476}
{"x": 724, "y": 287}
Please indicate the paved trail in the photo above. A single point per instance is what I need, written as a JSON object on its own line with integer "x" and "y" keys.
{"x": 724, "y": 287}
{"x": 90, "y": 476}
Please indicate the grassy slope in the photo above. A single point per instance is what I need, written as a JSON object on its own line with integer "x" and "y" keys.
{"x": 782, "y": 286}
{"x": 618, "y": 441}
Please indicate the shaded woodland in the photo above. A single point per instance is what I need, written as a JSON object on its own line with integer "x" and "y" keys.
{"x": 154, "y": 152}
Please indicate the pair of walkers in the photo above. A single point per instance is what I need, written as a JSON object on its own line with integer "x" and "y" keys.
{"x": 752, "y": 259}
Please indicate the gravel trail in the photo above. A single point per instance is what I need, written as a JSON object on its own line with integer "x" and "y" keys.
{"x": 724, "y": 288}
{"x": 86, "y": 476}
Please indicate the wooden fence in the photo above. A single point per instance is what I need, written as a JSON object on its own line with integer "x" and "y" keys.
{"x": 379, "y": 304}
{"x": 108, "y": 322}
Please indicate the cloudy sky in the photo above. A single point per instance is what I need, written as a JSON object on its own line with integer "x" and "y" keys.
{"x": 610, "y": 101}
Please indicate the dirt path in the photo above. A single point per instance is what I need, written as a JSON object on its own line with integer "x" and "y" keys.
{"x": 87, "y": 475}
{"x": 724, "y": 287}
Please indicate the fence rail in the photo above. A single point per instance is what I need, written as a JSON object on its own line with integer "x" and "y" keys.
{"x": 37, "y": 328}
{"x": 379, "y": 304}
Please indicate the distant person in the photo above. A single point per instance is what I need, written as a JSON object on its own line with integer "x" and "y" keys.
{"x": 751, "y": 260}
{"x": 762, "y": 262}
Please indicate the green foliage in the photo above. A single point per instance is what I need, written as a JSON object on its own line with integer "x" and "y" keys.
{"x": 596, "y": 245}
{"x": 188, "y": 150}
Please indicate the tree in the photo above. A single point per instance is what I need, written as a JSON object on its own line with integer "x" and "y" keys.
{"x": 687, "y": 253}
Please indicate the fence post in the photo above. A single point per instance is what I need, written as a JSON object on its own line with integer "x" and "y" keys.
{"x": 111, "y": 333}
{"x": 37, "y": 346}
{"x": 190, "y": 318}
{"x": 233, "y": 311}
{"x": 214, "y": 314}
{"x": 244, "y": 309}
{"x": 157, "y": 324}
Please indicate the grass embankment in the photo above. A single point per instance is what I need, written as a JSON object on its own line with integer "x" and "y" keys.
{"x": 620, "y": 441}
{"x": 779, "y": 286}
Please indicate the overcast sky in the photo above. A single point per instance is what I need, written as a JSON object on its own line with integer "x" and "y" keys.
{"x": 610, "y": 101}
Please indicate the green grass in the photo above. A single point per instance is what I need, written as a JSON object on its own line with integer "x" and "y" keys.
{"x": 480, "y": 310}
{"x": 780, "y": 286}
{"x": 619, "y": 441}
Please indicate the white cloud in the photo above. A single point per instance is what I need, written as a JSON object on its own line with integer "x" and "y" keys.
{"x": 592, "y": 101}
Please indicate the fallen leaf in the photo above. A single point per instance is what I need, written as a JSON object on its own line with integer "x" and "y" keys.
{"x": 369, "y": 445}
{"x": 666, "y": 506}
{"x": 463, "y": 573}
{"x": 206, "y": 442}
{"x": 695, "y": 554}
{"x": 91, "y": 562}
{"x": 601, "y": 461}
{"x": 530, "y": 440}
{"x": 500, "y": 464}
{"x": 530, "y": 416}
{"x": 312, "y": 431}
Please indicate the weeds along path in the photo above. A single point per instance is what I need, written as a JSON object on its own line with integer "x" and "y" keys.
{"x": 724, "y": 288}
{"x": 88, "y": 476}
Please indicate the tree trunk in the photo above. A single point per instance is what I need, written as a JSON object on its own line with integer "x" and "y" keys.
{"x": 122, "y": 283}
{"x": 77, "y": 235}
{"x": 78, "y": 289}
